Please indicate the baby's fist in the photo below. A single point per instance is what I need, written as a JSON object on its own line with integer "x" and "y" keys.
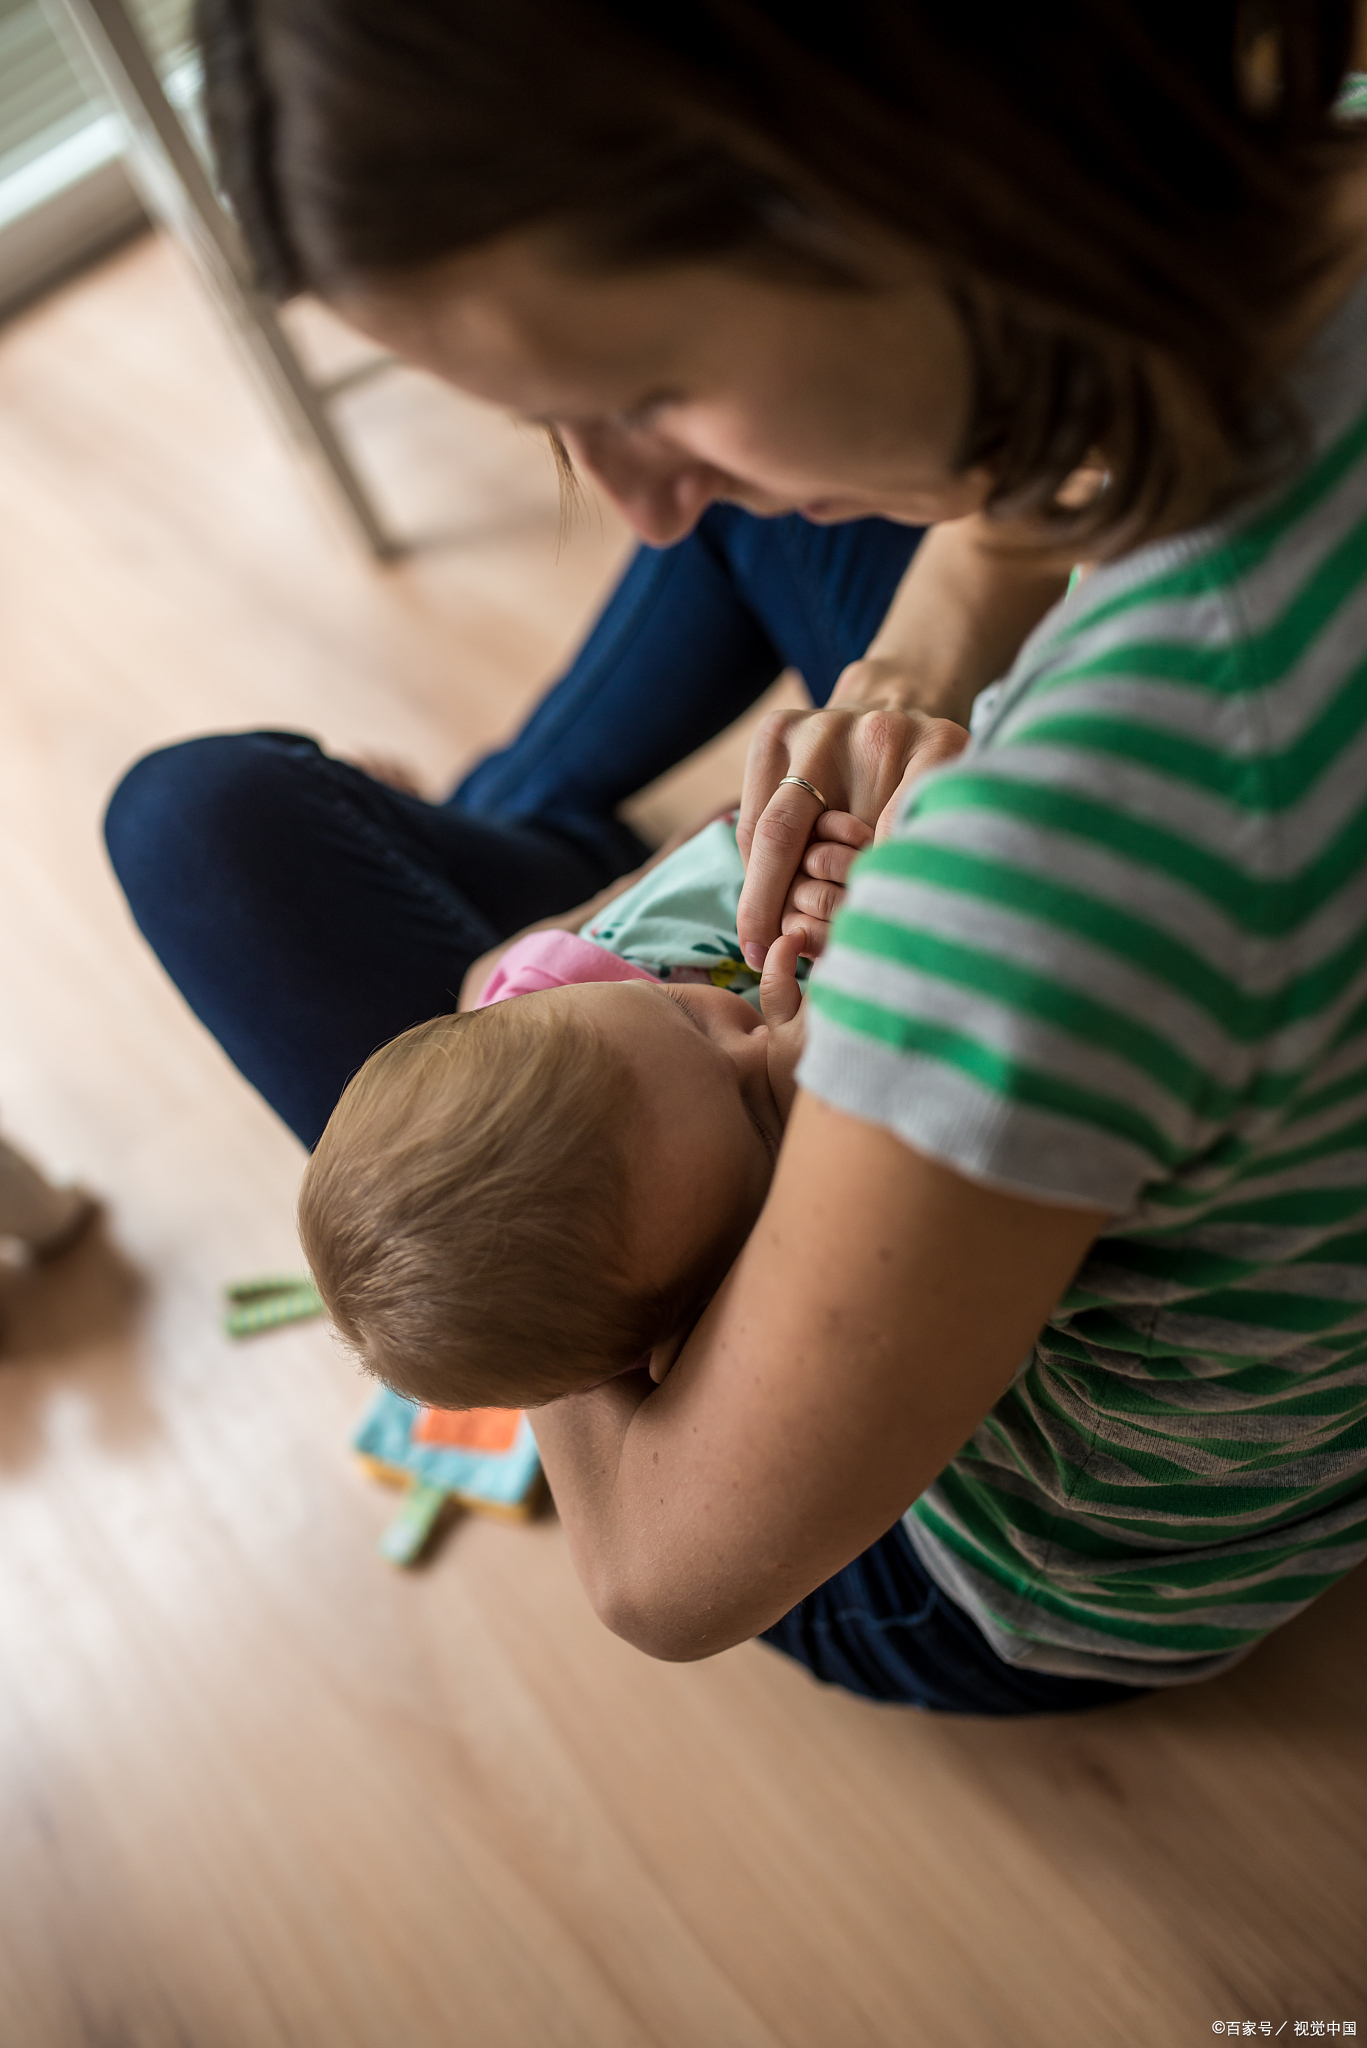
{"x": 837, "y": 839}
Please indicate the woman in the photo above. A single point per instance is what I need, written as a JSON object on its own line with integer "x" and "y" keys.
{"x": 1065, "y": 1245}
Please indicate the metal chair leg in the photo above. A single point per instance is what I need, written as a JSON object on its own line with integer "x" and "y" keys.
{"x": 171, "y": 179}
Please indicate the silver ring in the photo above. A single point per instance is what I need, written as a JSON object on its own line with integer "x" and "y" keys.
{"x": 810, "y": 787}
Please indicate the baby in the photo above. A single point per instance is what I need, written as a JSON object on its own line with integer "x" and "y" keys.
{"x": 537, "y": 1194}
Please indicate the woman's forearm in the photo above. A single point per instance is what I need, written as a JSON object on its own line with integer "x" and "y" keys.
{"x": 968, "y": 601}
{"x": 635, "y": 1496}
{"x": 580, "y": 1438}
{"x": 878, "y": 1310}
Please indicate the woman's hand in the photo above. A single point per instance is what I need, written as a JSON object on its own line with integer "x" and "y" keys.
{"x": 973, "y": 590}
{"x": 861, "y": 759}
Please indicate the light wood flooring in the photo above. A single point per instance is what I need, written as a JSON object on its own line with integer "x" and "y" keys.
{"x": 258, "y": 1788}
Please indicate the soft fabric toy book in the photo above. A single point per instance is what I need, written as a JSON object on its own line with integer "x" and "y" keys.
{"x": 481, "y": 1458}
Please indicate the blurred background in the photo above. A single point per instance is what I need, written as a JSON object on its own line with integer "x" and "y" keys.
{"x": 65, "y": 196}
{"x": 257, "y": 1787}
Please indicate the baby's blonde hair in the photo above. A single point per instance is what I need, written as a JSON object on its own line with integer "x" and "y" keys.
{"x": 467, "y": 1212}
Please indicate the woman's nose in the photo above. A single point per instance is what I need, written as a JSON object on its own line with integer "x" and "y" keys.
{"x": 662, "y": 492}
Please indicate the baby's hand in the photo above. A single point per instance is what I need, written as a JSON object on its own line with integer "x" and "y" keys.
{"x": 782, "y": 1002}
{"x": 816, "y": 895}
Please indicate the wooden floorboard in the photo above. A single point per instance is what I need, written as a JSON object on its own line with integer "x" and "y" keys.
{"x": 257, "y": 1789}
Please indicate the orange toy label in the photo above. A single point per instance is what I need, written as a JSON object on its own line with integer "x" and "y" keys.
{"x": 468, "y": 1429}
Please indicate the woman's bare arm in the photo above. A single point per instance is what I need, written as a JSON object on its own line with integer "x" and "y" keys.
{"x": 970, "y": 597}
{"x": 880, "y": 1308}
{"x": 968, "y": 601}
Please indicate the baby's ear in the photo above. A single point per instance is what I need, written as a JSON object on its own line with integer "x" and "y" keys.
{"x": 660, "y": 1359}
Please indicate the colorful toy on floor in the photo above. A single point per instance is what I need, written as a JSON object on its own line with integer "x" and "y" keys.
{"x": 479, "y": 1458}
{"x": 268, "y": 1303}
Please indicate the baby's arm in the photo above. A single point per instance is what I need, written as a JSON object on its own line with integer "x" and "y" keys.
{"x": 477, "y": 974}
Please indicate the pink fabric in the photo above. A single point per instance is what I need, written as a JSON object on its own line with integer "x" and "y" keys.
{"x": 555, "y": 960}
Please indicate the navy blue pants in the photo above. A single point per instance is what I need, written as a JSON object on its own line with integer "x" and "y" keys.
{"x": 883, "y": 1628}
{"x": 308, "y": 913}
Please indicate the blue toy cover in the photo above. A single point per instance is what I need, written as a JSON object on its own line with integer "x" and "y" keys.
{"x": 503, "y": 1478}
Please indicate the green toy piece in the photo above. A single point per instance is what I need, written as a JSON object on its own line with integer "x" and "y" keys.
{"x": 412, "y": 1529}
{"x": 267, "y": 1303}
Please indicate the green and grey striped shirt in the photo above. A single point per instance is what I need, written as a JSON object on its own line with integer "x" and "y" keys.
{"x": 1116, "y": 956}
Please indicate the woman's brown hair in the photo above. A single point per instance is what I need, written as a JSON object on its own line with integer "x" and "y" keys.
{"x": 1128, "y": 197}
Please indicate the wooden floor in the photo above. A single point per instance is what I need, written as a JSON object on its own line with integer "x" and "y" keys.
{"x": 256, "y": 1787}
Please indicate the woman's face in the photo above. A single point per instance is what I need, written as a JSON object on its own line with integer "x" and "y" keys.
{"x": 679, "y": 387}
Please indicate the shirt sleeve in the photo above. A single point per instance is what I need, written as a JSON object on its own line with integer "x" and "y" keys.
{"x": 1041, "y": 978}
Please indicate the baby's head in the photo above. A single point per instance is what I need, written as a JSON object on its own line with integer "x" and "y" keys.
{"x": 527, "y": 1199}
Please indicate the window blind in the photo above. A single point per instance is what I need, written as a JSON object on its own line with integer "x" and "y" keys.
{"x": 63, "y": 194}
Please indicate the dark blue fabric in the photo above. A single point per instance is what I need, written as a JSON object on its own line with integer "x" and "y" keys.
{"x": 883, "y": 1628}
{"x": 692, "y": 635}
{"x": 308, "y": 913}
